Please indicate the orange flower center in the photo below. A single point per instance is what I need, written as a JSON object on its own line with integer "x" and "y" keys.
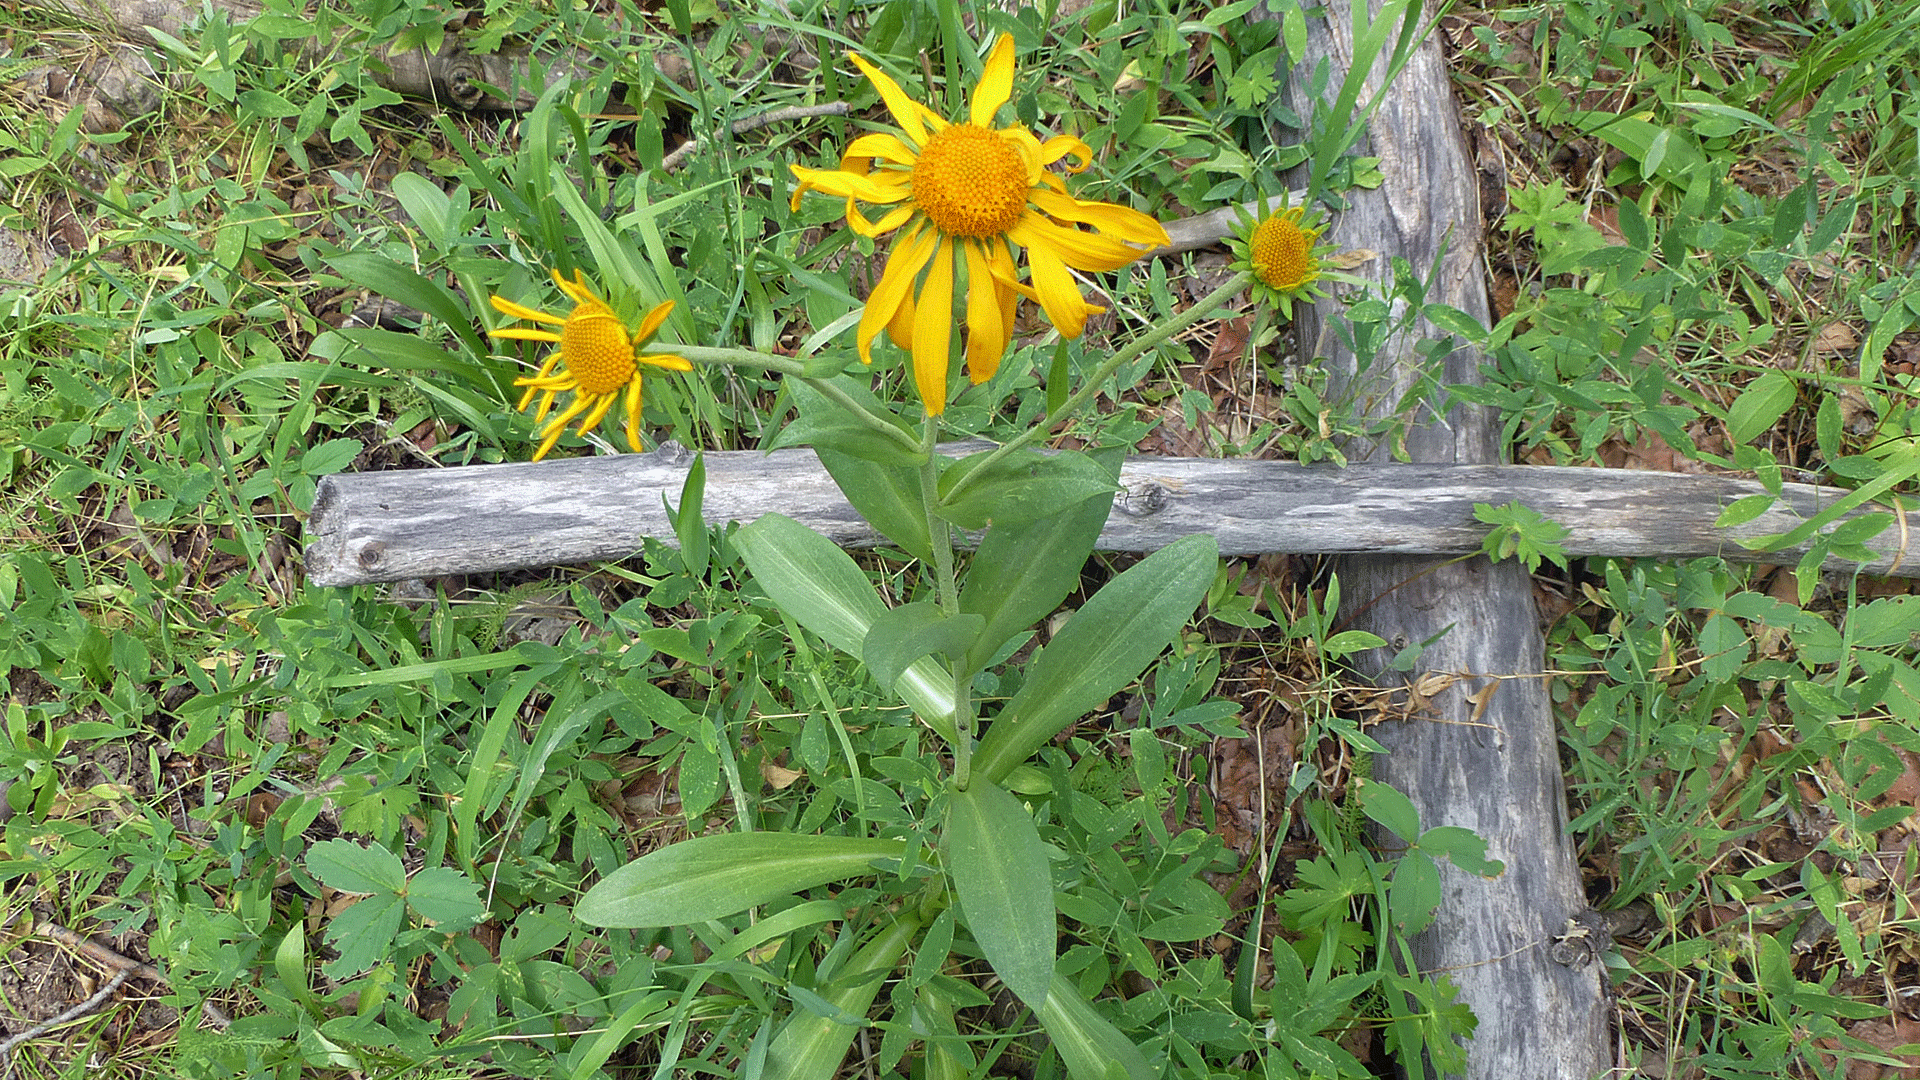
{"x": 598, "y": 352}
{"x": 1283, "y": 253}
{"x": 970, "y": 182}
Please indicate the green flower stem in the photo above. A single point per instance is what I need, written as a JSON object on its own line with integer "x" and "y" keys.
{"x": 787, "y": 365}
{"x": 1201, "y": 308}
{"x": 941, "y": 536}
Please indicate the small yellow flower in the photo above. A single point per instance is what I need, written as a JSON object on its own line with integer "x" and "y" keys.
{"x": 1282, "y": 251}
{"x": 969, "y": 194}
{"x": 599, "y": 360}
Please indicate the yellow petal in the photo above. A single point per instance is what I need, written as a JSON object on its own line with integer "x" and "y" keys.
{"x": 909, "y": 254}
{"x": 665, "y": 360}
{"x": 880, "y": 145}
{"x": 650, "y": 325}
{"x": 562, "y": 381}
{"x": 633, "y": 416}
{"x": 1080, "y": 250}
{"x": 846, "y": 185}
{"x": 546, "y": 444}
{"x": 986, "y": 334}
{"x": 1058, "y": 293}
{"x": 552, "y": 359}
{"x": 602, "y": 404}
{"x": 996, "y": 82}
{"x": 1111, "y": 219}
{"x": 932, "y": 330}
{"x": 546, "y": 403}
{"x": 524, "y": 333}
{"x": 520, "y": 311}
{"x": 898, "y": 103}
{"x": 577, "y": 290}
{"x": 900, "y": 327}
{"x": 559, "y": 423}
{"x": 1060, "y": 146}
{"x": 888, "y": 222}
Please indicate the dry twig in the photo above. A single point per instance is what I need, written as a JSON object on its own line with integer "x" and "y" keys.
{"x": 751, "y": 123}
{"x": 99, "y": 997}
{"x": 108, "y": 958}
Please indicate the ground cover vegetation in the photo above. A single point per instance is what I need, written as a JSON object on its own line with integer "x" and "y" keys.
{"x": 382, "y": 831}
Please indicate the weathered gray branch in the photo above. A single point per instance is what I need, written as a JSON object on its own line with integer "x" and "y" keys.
{"x": 1483, "y": 752}
{"x": 387, "y": 526}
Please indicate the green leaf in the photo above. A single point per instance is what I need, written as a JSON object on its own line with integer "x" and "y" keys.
{"x": 911, "y": 631}
{"x": 999, "y": 869}
{"x": 1463, "y": 848}
{"x": 888, "y": 496}
{"x": 330, "y": 456}
{"x": 1105, "y": 646}
{"x": 1827, "y": 428}
{"x": 811, "y": 579}
{"x": 363, "y": 934}
{"x": 1390, "y": 808}
{"x": 350, "y": 868}
{"x": 820, "y": 587}
{"x": 1088, "y": 1042}
{"x": 1020, "y": 487}
{"x": 1456, "y": 322}
{"x": 1022, "y": 572}
{"x": 446, "y": 898}
{"x": 396, "y": 282}
{"x": 711, "y": 877}
{"x": 1675, "y": 158}
{"x": 812, "y": 1046}
{"x": 1723, "y": 647}
{"x": 1744, "y": 509}
{"x": 1764, "y": 401}
{"x": 1059, "y": 374}
{"x": 1900, "y": 466}
{"x": 290, "y": 963}
{"x": 266, "y": 104}
{"x": 689, "y": 526}
{"x": 1182, "y": 928}
{"x": 845, "y": 434}
{"x": 425, "y": 203}
{"x": 1414, "y": 892}
{"x": 1347, "y": 642}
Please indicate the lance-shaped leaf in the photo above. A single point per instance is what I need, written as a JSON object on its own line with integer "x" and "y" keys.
{"x": 711, "y": 877}
{"x": 1105, "y": 646}
{"x": 888, "y": 496}
{"x": 1024, "y": 486}
{"x": 999, "y": 869}
{"x": 1022, "y": 571}
{"x": 1088, "y": 1043}
{"x": 396, "y": 282}
{"x": 811, "y": 579}
{"x": 812, "y": 1046}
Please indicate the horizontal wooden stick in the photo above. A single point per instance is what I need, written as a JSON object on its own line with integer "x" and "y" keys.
{"x": 388, "y": 526}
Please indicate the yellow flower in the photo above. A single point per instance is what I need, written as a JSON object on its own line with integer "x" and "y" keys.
{"x": 1282, "y": 252}
{"x": 598, "y": 358}
{"x": 969, "y": 194}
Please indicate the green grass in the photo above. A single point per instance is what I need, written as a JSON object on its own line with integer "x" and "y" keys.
{"x": 1697, "y": 194}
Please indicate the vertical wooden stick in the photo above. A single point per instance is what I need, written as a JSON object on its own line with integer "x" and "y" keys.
{"x": 1495, "y": 771}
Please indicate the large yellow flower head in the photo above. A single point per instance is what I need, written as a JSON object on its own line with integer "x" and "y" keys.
{"x": 970, "y": 193}
{"x": 598, "y": 358}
